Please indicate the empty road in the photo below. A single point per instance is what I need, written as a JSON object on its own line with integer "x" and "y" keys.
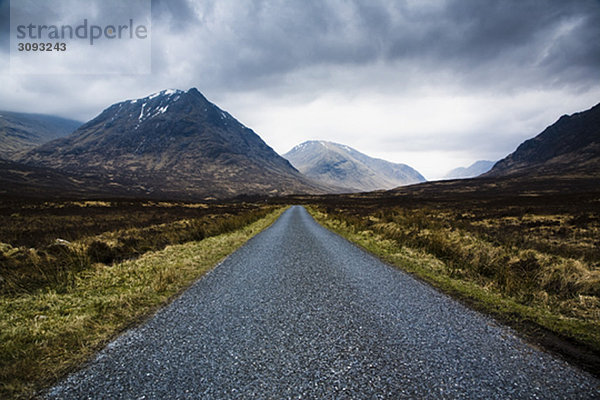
{"x": 298, "y": 312}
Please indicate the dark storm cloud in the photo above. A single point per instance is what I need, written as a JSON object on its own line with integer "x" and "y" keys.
{"x": 175, "y": 15}
{"x": 245, "y": 44}
{"x": 494, "y": 42}
{"x": 544, "y": 42}
{"x": 56, "y": 13}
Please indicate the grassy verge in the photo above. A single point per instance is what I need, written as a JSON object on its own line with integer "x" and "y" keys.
{"x": 25, "y": 269}
{"x": 47, "y": 333}
{"x": 562, "y": 315}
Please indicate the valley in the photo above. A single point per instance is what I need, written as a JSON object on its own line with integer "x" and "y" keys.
{"x": 120, "y": 217}
{"x": 300, "y": 312}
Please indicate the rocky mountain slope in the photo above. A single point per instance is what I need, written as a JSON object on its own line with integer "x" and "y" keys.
{"x": 173, "y": 144}
{"x": 335, "y": 164}
{"x": 569, "y": 146}
{"x": 21, "y": 131}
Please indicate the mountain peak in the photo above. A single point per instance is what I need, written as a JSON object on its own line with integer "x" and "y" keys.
{"x": 167, "y": 105}
{"x": 339, "y": 165}
{"x": 331, "y": 146}
{"x": 163, "y": 93}
{"x": 169, "y": 94}
{"x": 194, "y": 91}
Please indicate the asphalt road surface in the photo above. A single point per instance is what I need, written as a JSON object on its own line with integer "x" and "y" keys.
{"x": 298, "y": 312}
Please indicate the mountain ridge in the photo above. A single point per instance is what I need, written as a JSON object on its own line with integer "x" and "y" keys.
{"x": 569, "y": 146}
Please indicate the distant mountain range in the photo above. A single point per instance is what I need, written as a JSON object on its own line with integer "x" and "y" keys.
{"x": 475, "y": 169}
{"x": 172, "y": 144}
{"x": 178, "y": 145}
{"x": 20, "y": 131}
{"x": 571, "y": 146}
{"x": 338, "y": 165}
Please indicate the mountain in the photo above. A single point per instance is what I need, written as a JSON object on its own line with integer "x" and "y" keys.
{"x": 335, "y": 164}
{"x": 20, "y": 131}
{"x": 571, "y": 146}
{"x": 475, "y": 169}
{"x": 172, "y": 144}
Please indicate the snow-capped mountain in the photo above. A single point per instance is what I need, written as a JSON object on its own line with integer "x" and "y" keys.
{"x": 174, "y": 143}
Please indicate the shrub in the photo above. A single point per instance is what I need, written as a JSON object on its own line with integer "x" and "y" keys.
{"x": 99, "y": 251}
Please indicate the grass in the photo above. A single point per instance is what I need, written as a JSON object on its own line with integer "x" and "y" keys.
{"x": 46, "y": 333}
{"x": 512, "y": 280}
{"x": 26, "y": 269}
{"x": 36, "y": 224}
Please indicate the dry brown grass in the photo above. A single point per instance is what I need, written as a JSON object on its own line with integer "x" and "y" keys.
{"x": 521, "y": 263}
{"x": 55, "y": 265}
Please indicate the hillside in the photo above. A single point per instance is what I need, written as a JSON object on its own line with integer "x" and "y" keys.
{"x": 473, "y": 170}
{"x": 569, "y": 146}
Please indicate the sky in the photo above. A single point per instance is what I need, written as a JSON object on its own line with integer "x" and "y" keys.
{"x": 435, "y": 84}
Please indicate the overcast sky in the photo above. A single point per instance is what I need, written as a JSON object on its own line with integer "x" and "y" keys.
{"x": 434, "y": 84}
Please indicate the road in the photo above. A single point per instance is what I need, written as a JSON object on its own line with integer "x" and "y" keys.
{"x": 298, "y": 312}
